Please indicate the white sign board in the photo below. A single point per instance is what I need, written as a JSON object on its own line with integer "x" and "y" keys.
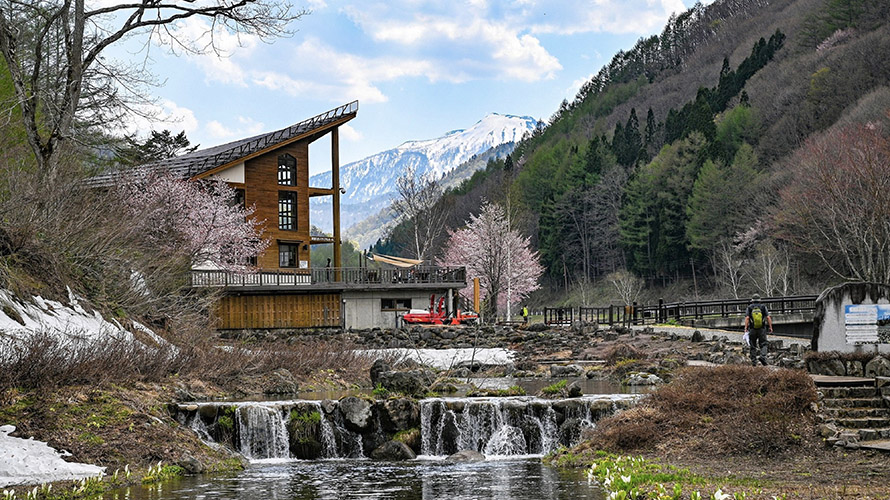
{"x": 867, "y": 324}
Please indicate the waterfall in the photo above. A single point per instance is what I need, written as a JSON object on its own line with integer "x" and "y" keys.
{"x": 263, "y": 432}
{"x": 302, "y": 429}
{"x": 504, "y": 426}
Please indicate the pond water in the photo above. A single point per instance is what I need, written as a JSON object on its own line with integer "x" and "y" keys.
{"x": 523, "y": 478}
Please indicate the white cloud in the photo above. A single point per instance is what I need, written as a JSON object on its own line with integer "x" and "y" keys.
{"x": 246, "y": 127}
{"x": 572, "y": 90}
{"x": 350, "y": 134}
{"x": 165, "y": 114}
{"x": 220, "y": 53}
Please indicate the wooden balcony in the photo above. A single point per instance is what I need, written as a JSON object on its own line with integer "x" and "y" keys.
{"x": 333, "y": 279}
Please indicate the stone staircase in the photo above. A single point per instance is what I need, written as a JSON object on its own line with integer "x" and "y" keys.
{"x": 856, "y": 411}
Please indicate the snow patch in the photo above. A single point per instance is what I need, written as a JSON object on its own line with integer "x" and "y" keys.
{"x": 446, "y": 358}
{"x": 26, "y": 461}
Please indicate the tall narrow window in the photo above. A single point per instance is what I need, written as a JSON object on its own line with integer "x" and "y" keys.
{"x": 287, "y": 210}
{"x": 287, "y": 170}
{"x": 287, "y": 255}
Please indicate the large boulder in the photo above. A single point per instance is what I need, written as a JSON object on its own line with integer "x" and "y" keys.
{"x": 566, "y": 371}
{"x": 393, "y": 450}
{"x": 643, "y": 378}
{"x": 879, "y": 366}
{"x": 356, "y": 412}
{"x": 377, "y": 368}
{"x": 831, "y": 366}
{"x": 399, "y": 414}
{"x": 281, "y": 381}
{"x": 303, "y": 430}
{"x": 409, "y": 382}
{"x": 466, "y": 456}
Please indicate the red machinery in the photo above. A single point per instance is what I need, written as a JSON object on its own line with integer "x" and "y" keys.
{"x": 436, "y": 315}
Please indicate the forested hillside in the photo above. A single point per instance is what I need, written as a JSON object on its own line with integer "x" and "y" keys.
{"x": 674, "y": 160}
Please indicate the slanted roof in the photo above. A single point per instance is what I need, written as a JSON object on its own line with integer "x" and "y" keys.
{"x": 202, "y": 161}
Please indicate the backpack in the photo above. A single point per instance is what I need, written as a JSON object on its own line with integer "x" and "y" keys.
{"x": 757, "y": 316}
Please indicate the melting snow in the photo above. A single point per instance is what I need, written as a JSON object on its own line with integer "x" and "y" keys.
{"x": 447, "y": 358}
{"x": 26, "y": 461}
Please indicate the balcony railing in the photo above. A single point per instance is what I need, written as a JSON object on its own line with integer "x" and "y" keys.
{"x": 333, "y": 277}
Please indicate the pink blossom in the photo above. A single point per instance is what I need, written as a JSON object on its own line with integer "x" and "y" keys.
{"x": 198, "y": 219}
{"x": 488, "y": 248}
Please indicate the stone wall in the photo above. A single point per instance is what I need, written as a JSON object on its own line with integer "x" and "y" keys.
{"x": 832, "y": 328}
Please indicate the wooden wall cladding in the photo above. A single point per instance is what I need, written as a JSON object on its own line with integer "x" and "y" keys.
{"x": 261, "y": 189}
{"x": 278, "y": 311}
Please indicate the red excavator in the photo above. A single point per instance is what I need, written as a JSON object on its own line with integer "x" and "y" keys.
{"x": 436, "y": 315}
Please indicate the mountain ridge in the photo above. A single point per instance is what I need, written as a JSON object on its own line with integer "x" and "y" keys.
{"x": 370, "y": 182}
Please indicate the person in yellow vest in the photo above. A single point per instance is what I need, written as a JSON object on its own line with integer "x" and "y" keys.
{"x": 524, "y": 315}
{"x": 757, "y": 318}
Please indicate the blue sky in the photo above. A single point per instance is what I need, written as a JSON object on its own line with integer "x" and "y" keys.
{"x": 419, "y": 69}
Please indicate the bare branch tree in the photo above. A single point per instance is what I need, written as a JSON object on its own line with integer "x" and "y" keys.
{"x": 63, "y": 83}
{"x": 728, "y": 266}
{"x": 627, "y": 284}
{"x": 417, "y": 204}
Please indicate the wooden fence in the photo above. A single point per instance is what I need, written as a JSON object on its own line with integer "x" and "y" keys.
{"x": 678, "y": 311}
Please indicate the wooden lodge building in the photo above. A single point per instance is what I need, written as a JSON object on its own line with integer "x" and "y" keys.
{"x": 271, "y": 172}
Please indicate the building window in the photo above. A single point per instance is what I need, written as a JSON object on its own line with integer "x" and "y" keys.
{"x": 287, "y": 170}
{"x": 287, "y": 210}
{"x": 287, "y": 255}
{"x": 238, "y": 200}
{"x": 395, "y": 304}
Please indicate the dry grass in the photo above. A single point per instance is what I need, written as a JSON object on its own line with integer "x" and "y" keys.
{"x": 45, "y": 362}
{"x": 726, "y": 409}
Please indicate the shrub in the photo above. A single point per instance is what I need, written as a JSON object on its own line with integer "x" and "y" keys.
{"x": 622, "y": 352}
{"x": 725, "y": 409}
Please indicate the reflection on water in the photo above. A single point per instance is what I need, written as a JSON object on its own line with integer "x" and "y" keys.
{"x": 514, "y": 479}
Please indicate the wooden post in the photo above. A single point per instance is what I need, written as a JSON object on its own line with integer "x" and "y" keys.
{"x": 335, "y": 204}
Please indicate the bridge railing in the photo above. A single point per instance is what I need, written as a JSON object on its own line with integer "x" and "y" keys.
{"x": 331, "y": 277}
{"x": 663, "y": 312}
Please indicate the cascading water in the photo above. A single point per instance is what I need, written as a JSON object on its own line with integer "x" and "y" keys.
{"x": 263, "y": 432}
{"x": 514, "y": 426}
{"x": 504, "y": 426}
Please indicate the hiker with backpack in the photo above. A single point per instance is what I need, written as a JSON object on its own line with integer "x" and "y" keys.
{"x": 757, "y": 318}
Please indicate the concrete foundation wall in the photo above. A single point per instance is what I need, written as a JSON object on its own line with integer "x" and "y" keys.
{"x": 363, "y": 309}
{"x": 830, "y": 327}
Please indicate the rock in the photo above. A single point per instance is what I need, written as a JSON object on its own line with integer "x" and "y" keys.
{"x": 643, "y": 378}
{"x": 377, "y": 368}
{"x": 356, "y": 412}
{"x": 854, "y": 368}
{"x": 537, "y": 327}
{"x": 827, "y": 367}
{"x": 574, "y": 390}
{"x": 566, "y": 370}
{"x": 409, "y": 382}
{"x": 697, "y": 336}
{"x": 191, "y": 465}
{"x": 826, "y": 430}
{"x": 399, "y": 414}
{"x": 329, "y": 406}
{"x": 281, "y": 381}
{"x": 466, "y": 456}
{"x": 610, "y": 335}
{"x": 448, "y": 334}
{"x": 879, "y": 366}
{"x": 303, "y": 429}
{"x": 208, "y": 413}
{"x": 393, "y": 450}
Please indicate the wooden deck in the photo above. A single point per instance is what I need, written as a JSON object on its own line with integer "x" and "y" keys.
{"x": 332, "y": 279}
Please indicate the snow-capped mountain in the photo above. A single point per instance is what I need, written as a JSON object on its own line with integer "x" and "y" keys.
{"x": 370, "y": 183}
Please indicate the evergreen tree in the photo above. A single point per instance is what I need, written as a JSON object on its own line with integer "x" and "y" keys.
{"x": 633, "y": 141}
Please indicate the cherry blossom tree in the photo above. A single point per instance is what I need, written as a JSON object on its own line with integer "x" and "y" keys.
{"x": 496, "y": 254}
{"x": 193, "y": 219}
